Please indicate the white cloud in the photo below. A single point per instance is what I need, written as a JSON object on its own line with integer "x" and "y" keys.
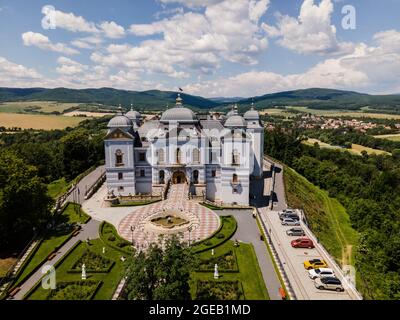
{"x": 112, "y": 30}
{"x": 12, "y": 70}
{"x": 70, "y": 67}
{"x": 311, "y": 32}
{"x": 41, "y": 41}
{"x": 73, "y": 23}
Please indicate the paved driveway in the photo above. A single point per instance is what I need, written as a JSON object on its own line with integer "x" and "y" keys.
{"x": 248, "y": 232}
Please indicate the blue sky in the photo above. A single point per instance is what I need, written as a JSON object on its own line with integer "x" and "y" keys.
{"x": 210, "y": 47}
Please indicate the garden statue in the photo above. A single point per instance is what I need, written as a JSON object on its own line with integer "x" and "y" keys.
{"x": 104, "y": 250}
{"x": 216, "y": 275}
{"x": 83, "y": 272}
{"x": 212, "y": 252}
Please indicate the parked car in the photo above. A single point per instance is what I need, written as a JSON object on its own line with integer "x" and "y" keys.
{"x": 299, "y": 232}
{"x": 302, "y": 243}
{"x": 290, "y": 222}
{"x": 321, "y": 273}
{"x": 329, "y": 283}
{"x": 293, "y": 216}
{"x": 314, "y": 264}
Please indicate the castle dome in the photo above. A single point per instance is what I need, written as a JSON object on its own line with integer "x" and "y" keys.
{"x": 120, "y": 121}
{"x": 179, "y": 113}
{"x": 252, "y": 114}
{"x": 133, "y": 115}
{"x": 235, "y": 121}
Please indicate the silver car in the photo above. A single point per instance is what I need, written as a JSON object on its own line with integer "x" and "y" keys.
{"x": 290, "y": 222}
{"x": 297, "y": 232}
{"x": 329, "y": 283}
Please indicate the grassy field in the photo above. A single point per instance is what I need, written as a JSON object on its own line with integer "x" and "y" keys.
{"x": 392, "y": 137}
{"x": 249, "y": 271}
{"x": 327, "y": 217}
{"x": 355, "y": 148}
{"x": 41, "y": 106}
{"x": 345, "y": 113}
{"x": 37, "y": 122}
{"x": 53, "y": 240}
{"x": 57, "y": 188}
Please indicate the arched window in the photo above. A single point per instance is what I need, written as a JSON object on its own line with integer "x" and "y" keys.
{"x": 161, "y": 156}
{"x": 178, "y": 155}
{"x": 119, "y": 158}
{"x": 161, "y": 176}
{"x": 195, "y": 176}
{"x": 235, "y": 178}
{"x": 235, "y": 158}
{"x": 196, "y": 156}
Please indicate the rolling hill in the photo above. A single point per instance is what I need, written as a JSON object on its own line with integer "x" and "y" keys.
{"x": 314, "y": 98}
{"x": 152, "y": 99}
{"x": 318, "y": 98}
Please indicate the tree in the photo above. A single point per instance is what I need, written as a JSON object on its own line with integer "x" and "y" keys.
{"x": 24, "y": 203}
{"x": 160, "y": 274}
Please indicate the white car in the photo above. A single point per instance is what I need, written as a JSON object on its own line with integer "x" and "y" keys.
{"x": 290, "y": 222}
{"x": 321, "y": 273}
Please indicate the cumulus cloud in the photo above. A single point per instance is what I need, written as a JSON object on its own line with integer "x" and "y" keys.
{"x": 70, "y": 67}
{"x": 225, "y": 31}
{"x": 41, "y": 41}
{"x": 311, "y": 32}
{"x": 112, "y": 30}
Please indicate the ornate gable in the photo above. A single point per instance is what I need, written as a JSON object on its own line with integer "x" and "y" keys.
{"x": 118, "y": 134}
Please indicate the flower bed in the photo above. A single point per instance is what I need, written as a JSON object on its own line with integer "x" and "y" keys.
{"x": 93, "y": 263}
{"x": 79, "y": 290}
{"x": 219, "y": 290}
{"x": 226, "y": 263}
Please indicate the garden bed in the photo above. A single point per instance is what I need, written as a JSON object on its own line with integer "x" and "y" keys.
{"x": 111, "y": 238}
{"x": 93, "y": 263}
{"x": 78, "y": 290}
{"x": 226, "y": 263}
{"x": 219, "y": 290}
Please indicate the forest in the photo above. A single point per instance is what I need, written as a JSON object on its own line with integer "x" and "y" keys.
{"x": 28, "y": 162}
{"x": 368, "y": 186}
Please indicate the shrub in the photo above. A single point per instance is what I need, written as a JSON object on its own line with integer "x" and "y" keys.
{"x": 111, "y": 238}
{"x": 220, "y": 236}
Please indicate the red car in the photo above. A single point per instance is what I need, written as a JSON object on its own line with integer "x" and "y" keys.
{"x": 302, "y": 243}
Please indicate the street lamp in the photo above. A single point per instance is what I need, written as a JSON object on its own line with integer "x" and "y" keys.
{"x": 190, "y": 228}
{"x": 132, "y": 230}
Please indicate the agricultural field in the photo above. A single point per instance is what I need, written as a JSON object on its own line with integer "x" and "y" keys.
{"x": 37, "y": 122}
{"x": 392, "y": 137}
{"x": 355, "y": 148}
{"x": 345, "y": 113}
{"x": 278, "y": 112}
{"x": 87, "y": 114}
{"x": 36, "y": 106}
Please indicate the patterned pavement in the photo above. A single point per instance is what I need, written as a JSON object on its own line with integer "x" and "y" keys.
{"x": 205, "y": 221}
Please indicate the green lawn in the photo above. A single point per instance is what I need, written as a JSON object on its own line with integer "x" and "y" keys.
{"x": 57, "y": 188}
{"x": 227, "y": 229}
{"x": 109, "y": 280}
{"x": 52, "y": 240}
{"x": 327, "y": 217}
{"x": 249, "y": 271}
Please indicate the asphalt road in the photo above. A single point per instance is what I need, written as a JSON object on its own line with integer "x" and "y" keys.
{"x": 78, "y": 195}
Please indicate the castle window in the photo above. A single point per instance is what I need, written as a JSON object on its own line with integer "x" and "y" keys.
{"x": 142, "y": 156}
{"x": 161, "y": 176}
{"x": 119, "y": 158}
{"x": 213, "y": 173}
{"x": 120, "y": 176}
{"x": 120, "y": 188}
{"x": 178, "y": 155}
{"x": 235, "y": 178}
{"x": 142, "y": 173}
{"x": 235, "y": 158}
{"x": 196, "y": 156}
{"x": 161, "y": 156}
{"x": 195, "y": 176}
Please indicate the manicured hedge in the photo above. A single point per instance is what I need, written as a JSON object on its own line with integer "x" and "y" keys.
{"x": 226, "y": 230}
{"x": 107, "y": 232}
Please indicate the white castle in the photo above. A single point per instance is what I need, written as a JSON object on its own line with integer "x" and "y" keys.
{"x": 216, "y": 156}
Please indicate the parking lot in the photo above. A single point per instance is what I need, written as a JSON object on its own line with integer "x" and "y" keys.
{"x": 293, "y": 258}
